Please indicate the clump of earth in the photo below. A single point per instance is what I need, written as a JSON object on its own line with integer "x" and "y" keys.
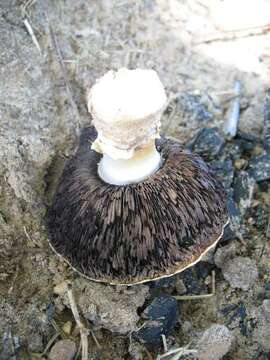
{"x": 51, "y": 53}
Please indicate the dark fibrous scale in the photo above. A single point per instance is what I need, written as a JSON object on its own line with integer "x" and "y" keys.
{"x": 134, "y": 233}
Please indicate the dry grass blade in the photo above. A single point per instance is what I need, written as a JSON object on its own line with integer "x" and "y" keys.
{"x": 83, "y": 330}
{"x": 176, "y": 354}
{"x": 32, "y": 34}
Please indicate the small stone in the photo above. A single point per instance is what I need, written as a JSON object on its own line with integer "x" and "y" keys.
{"x": 208, "y": 143}
{"x": 214, "y": 343}
{"x": 224, "y": 253}
{"x": 67, "y": 327}
{"x": 63, "y": 350}
{"x": 180, "y": 287}
{"x": 240, "y": 272}
{"x": 161, "y": 316}
{"x": 240, "y": 164}
{"x": 259, "y": 167}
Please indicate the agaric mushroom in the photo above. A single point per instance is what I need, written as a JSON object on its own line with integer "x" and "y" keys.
{"x": 134, "y": 207}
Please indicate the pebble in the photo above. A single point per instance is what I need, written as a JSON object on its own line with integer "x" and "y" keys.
{"x": 259, "y": 167}
{"x": 161, "y": 317}
{"x": 208, "y": 143}
{"x": 240, "y": 272}
{"x": 63, "y": 350}
{"x": 214, "y": 343}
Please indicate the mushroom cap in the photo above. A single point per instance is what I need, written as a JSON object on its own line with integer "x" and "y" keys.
{"x": 138, "y": 232}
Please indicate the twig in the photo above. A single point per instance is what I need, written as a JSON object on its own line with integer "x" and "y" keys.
{"x": 49, "y": 344}
{"x": 203, "y": 296}
{"x": 83, "y": 330}
{"x": 64, "y": 74}
{"x": 95, "y": 339}
{"x": 164, "y": 341}
{"x": 230, "y": 127}
{"x": 235, "y": 34}
{"x": 32, "y": 34}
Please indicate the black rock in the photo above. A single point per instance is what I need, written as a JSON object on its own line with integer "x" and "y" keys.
{"x": 207, "y": 143}
{"x": 228, "y": 235}
{"x": 266, "y": 127}
{"x": 195, "y": 107}
{"x": 232, "y": 208}
{"x": 243, "y": 191}
{"x": 162, "y": 283}
{"x": 267, "y": 286}
{"x": 161, "y": 317}
{"x": 191, "y": 281}
{"x": 224, "y": 171}
{"x": 259, "y": 167}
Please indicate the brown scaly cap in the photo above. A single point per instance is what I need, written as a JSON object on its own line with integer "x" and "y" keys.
{"x": 139, "y": 232}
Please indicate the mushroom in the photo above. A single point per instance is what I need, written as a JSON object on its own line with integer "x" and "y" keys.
{"x": 130, "y": 206}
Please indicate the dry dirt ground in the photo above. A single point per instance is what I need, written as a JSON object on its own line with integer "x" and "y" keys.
{"x": 51, "y": 51}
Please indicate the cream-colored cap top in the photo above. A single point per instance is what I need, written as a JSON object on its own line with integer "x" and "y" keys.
{"x": 126, "y": 106}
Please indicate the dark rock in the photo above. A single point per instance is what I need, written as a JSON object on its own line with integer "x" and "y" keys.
{"x": 195, "y": 107}
{"x": 246, "y": 142}
{"x": 259, "y": 167}
{"x": 191, "y": 281}
{"x": 236, "y": 315}
{"x": 207, "y": 143}
{"x": 228, "y": 234}
{"x": 266, "y": 127}
{"x": 267, "y": 286}
{"x": 161, "y": 317}
{"x": 203, "y": 269}
{"x": 243, "y": 191}
{"x": 162, "y": 283}
{"x": 224, "y": 171}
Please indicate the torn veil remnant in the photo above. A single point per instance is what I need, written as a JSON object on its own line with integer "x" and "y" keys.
{"x": 132, "y": 207}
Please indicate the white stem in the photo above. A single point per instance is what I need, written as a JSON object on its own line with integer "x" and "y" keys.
{"x": 144, "y": 163}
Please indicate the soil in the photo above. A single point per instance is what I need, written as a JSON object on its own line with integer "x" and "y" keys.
{"x": 50, "y": 53}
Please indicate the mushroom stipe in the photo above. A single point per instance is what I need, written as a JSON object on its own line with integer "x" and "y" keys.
{"x": 130, "y": 234}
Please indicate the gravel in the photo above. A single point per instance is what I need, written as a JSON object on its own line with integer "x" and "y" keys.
{"x": 63, "y": 350}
